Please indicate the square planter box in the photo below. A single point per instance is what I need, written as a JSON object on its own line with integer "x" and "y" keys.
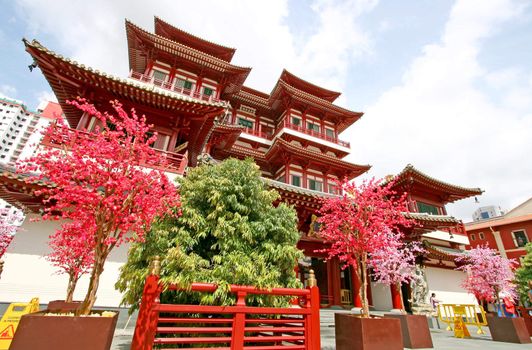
{"x": 36, "y": 331}
{"x": 61, "y": 305}
{"x": 510, "y": 330}
{"x": 357, "y": 333}
{"x": 415, "y": 330}
{"x": 527, "y": 317}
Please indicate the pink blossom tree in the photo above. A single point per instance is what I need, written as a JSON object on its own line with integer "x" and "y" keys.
{"x": 72, "y": 253}
{"x": 9, "y": 225}
{"x": 395, "y": 264}
{"x": 364, "y": 222}
{"x": 488, "y": 274}
{"x": 100, "y": 187}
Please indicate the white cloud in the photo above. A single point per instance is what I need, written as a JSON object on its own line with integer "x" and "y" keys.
{"x": 44, "y": 97}
{"x": 8, "y": 91}
{"x": 93, "y": 33}
{"x": 441, "y": 120}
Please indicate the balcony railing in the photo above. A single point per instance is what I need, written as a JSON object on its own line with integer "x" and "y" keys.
{"x": 172, "y": 162}
{"x": 262, "y": 134}
{"x": 318, "y": 134}
{"x": 171, "y": 86}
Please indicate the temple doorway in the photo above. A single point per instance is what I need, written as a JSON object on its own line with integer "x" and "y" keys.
{"x": 320, "y": 270}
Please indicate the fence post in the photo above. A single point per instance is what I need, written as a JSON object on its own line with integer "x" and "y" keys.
{"x": 239, "y": 323}
{"x": 314, "y": 334}
{"x": 146, "y": 326}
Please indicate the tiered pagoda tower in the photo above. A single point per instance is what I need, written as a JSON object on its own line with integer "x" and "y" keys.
{"x": 198, "y": 103}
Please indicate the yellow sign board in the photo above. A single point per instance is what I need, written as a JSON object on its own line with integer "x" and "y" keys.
{"x": 460, "y": 316}
{"x": 460, "y": 328}
{"x": 11, "y": 318}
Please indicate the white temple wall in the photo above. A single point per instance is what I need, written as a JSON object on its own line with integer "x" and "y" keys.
{"x": 446, "y": 284}
{"x": 28, "y": 274}
{"x": 381, "y": 296}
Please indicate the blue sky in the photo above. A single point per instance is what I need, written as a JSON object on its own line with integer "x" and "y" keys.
{"x": 445, "y": 85}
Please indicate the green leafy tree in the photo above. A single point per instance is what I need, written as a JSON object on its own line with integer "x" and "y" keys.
{"x": 523, "y": 276}
{"x": 229, "y": 232}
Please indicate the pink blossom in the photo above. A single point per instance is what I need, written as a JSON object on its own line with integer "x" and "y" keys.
{"x": 363, "y": 228}
{"x": 100, "y": 185}
{"x": 8, "y": 227}
{"x": 488, "y": 274}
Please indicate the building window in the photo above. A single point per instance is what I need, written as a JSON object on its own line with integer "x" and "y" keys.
{"x": 244, "y": 122}
{"x": 207, "y": 91}
{"x": 481, "y": 236}
{"x": 296, "y": 180}
{"x": 427, "y": 208}
{"x": 485, "y": 215}
{"x": 296, "y": 121}
{"x": 185, "y": 84}
{"x": 520, "y": 238}
{"x": 313, "y": 127}
{"x": 158, "y": 75}
{"x": 329, "y": 133}
{"x": 472, "y": 237}
{"x": 333, "y": 189}
{"x": 315, "y": 185}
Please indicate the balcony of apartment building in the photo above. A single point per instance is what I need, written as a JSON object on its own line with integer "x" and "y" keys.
{"x": 178, "y": 86}
{"x": 174, "y": 163}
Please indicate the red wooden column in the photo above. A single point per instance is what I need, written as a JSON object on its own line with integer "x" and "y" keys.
{"x": 197, "y": 89}
{"x": 146, "y": 326}
{"x": 313, "y": 302}
{"x": 334, "y": 292}
{"x": 396, "y": 297}
{"x": 239, "y": 323}
{"x": 357, "y": 301}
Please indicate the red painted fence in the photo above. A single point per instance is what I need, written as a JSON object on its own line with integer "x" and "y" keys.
{"x": 236, "y": 327}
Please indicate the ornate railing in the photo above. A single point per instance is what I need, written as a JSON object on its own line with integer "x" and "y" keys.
{"x": 172, "y": 86}
{"x": 318, "y": 134}
{"x": 171, "y": 162}
{"x": 234, "y": 327}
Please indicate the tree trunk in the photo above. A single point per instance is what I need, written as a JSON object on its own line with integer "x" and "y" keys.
{"x": 72, "y": 281}
{"x": 363, "y": 278}
{"x": 90, "y": 298}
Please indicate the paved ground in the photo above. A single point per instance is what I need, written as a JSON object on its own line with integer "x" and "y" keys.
{"x": 442, "y": 339}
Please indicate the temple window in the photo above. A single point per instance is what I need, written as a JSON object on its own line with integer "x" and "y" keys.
{"x": 427, "y": 208}
{"x": 312, "y": 126}
{"x": 185, "y": 84}
{"x": 333, "y": 189}
{"x": 296, "y": 180}
{"x": 296, "y": 121}
{"x": 481, "y": 236}
{"x": 159, "y": 75}
{"x": 244, "y": 122}
{"x": 520, "y": 238}
{"x": 315, "y": 185}
{"x": 472, "y": 237}
{"x": 207, "y": 91}
{"x": 329, "y": 133}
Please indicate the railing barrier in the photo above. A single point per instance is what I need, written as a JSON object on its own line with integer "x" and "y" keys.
{"x": 461, "y": 315}
{"x": 235, "y": 327}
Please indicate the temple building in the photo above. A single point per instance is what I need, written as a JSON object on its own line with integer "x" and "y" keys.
{"x": 198, "y": 103}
